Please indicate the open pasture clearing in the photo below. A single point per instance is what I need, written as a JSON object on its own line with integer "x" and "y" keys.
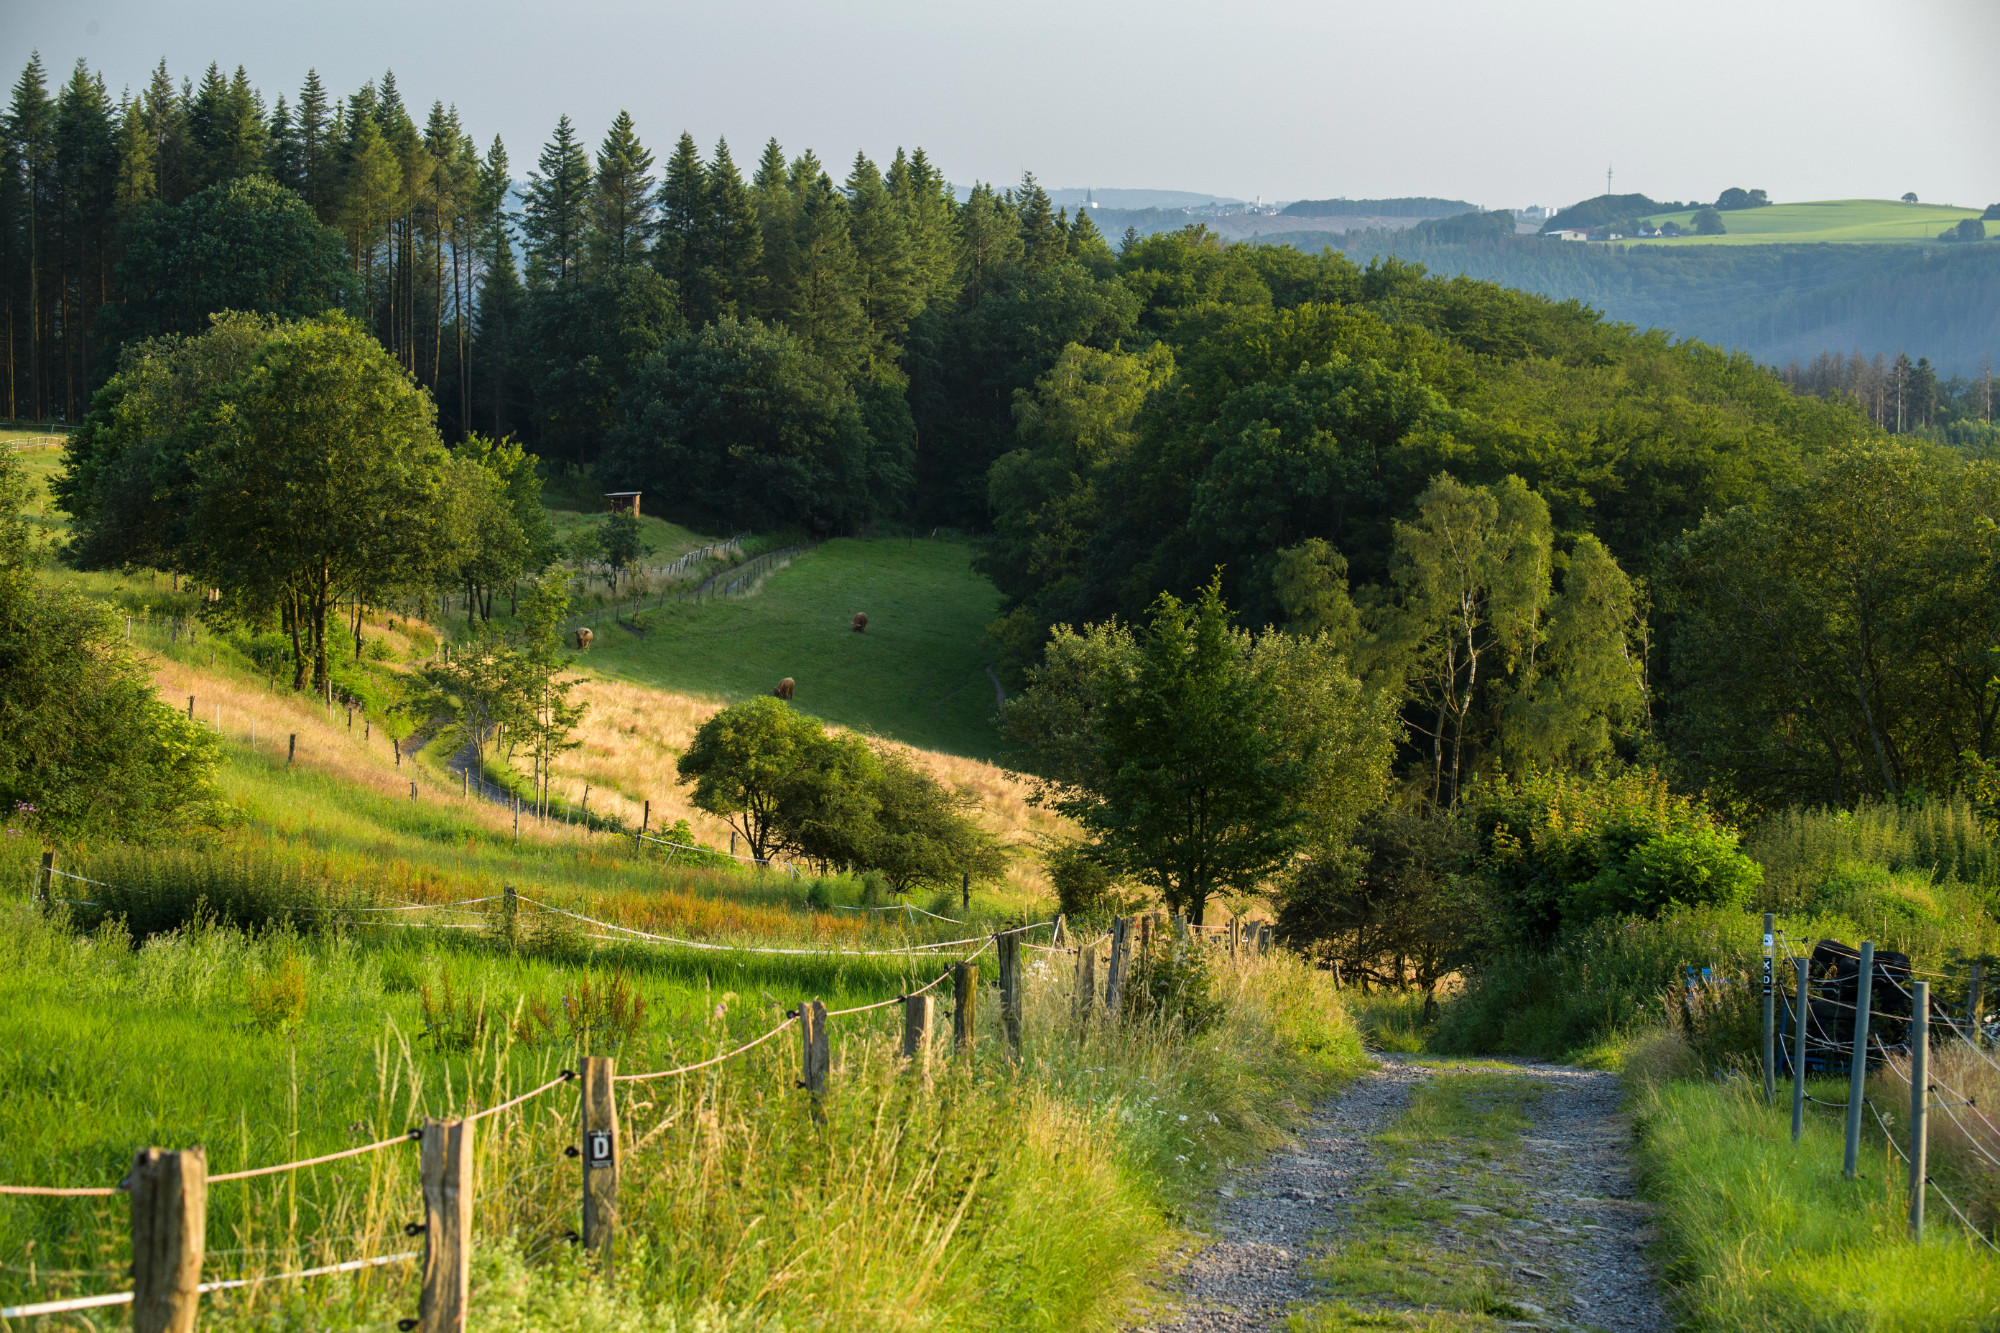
{"x": 1840, "y": 221}
{"x": 917, "y": 674}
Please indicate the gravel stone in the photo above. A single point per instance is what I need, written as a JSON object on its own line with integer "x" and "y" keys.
{"x": 1271, "y": 1217}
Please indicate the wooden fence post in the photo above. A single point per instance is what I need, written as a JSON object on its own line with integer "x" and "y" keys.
{"x": 399, "y": 751}
{"x": 646, "y": 818}
{"x": 1085, "y": 998}
{"x": 1114, "y": 975}
{"x": 169, "y": 1192}
{"x": 45, "y": 883}
{"x": 965, "y": 1014}
{"x": 1008, "y": 946}
{"x": 1972, "y": 999}
{"x": 413, "y": 793}
{"x": 190, "y": 708}
{"x": 600, "y": 1159}
{"x": 292, "y": 748}
{"x": 815, "y": 1055}
{"x": 446, "y": 1171}
{"x": 916, "y": 1026}
{"x": 1056, "y": 935}
{"x": 1265, "y": 933}
{"x": 965, "y": 891}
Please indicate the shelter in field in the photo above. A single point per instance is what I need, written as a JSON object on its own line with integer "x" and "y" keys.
{"x": 624, "y": 502}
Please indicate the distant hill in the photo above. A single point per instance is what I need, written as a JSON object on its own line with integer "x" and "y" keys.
{"x": 1834, "y": 221}
{"x": 1604, "y": 210}
{"x": 1463, "y": 228}
{"x": 1127, "y": 199}
{"x": 1778, "y": 302}
{"x": 1377, "y": 208}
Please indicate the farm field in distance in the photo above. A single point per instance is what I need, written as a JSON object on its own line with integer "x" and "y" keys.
{"x": 1838, "y": 221}
{"x": 918, "y": 674}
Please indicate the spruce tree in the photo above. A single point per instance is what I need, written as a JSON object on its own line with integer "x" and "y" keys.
{"x": 208, "y": 119}
{"x": 822, "y": 304}
{"x": 1043, "y": 243}
{"x": 31, "y": 135}
{"x": 885, "y": 278}
{"x": 924, "y": 202}
{"x": 498, "y": 310}
{"x": 771, "y": 195}
{"x": 318, "y": 166}
{"x": 555, "y": 213}
{"x": 683, "y": 210}
{"x": 284, "y": 159}
{"x": 138, "y": 181}
{"x": 624, "y": 196}
{"x": 989, "y": 242}
{"x": 175, "y": 157}
{"x": 735, "y": 244}
{"x": 241, "y": 144}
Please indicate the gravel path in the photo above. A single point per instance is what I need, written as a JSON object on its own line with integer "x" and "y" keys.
{"x": 1579, "y": 1253}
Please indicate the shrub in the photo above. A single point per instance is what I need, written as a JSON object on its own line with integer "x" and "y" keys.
{"x": 162, "y": 889}
{"x": 1561, "y": 849}
{"x": 1175, "y": 986}
{"x": 819, "y": 894}
{"x": 278, "y": 996}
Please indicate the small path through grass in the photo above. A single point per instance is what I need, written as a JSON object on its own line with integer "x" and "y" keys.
{"x": 1434, "y": 1195}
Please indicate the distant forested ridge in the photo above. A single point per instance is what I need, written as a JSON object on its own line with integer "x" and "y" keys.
{"x": 1780, "y": 303}
{"x": 1378, "y": 208}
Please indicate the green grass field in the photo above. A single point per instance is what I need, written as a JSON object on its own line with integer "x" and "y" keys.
{"x": 1841, "y": 221}
{"x": 917, "y": 674}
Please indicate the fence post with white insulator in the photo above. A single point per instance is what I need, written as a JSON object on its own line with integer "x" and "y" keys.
{"x": 448, "y": 1185}
{"x": 169, "y": 1192}
{"x": 916, "y": 1026}
{"x": 1799, "y": 1019}
{"x": 815, "y": 1055}
{"x": 600, "y": 1159}
{"x": 965, "y": 1011}
{"x": 1770, "y": 1014}
{"x": 1857, "y": 1070}
{"x": 1919, "y": 1148}
{"x": 1008, "y": 947}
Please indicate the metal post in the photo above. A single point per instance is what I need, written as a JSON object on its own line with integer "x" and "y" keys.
{"x": 1919, "y": 1148}
{"x": 1770, "y": 1014}
{"x": 1799, "y": 1013}
{"x": 1857, "y": 1073}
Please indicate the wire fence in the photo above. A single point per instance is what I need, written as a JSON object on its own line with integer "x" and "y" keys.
{"x": 1804, "y": 1035}
{"x": 166, "y": 1270}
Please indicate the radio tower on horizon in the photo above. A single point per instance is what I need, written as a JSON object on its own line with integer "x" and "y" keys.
{"x": 1607, "y": 178}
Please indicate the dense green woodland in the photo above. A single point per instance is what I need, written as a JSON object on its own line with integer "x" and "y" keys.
{"x": 1530, "y": 540}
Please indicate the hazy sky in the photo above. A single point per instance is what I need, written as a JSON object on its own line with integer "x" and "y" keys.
{"x": 1503, "y": 102}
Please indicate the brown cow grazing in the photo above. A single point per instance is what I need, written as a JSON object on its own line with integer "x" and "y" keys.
{"x": 860, "y": 622}
{"x": 583, "y": 638}
{"x": 784, "y": 689}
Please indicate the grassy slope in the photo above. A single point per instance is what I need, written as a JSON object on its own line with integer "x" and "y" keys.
{"x": 1761, "y": 1233}
{"x": 917, "y": 674}
{"x": 1845, "y": 221}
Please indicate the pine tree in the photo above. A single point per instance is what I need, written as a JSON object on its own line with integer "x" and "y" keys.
{"x": 624, "y": 196}
{"x": 556, "y": 211}
{"x": 735, "y": 244}
{"x": 885, "y": 278}
{"x": 86, "y": 173}
{"x": 683, "y": 217}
